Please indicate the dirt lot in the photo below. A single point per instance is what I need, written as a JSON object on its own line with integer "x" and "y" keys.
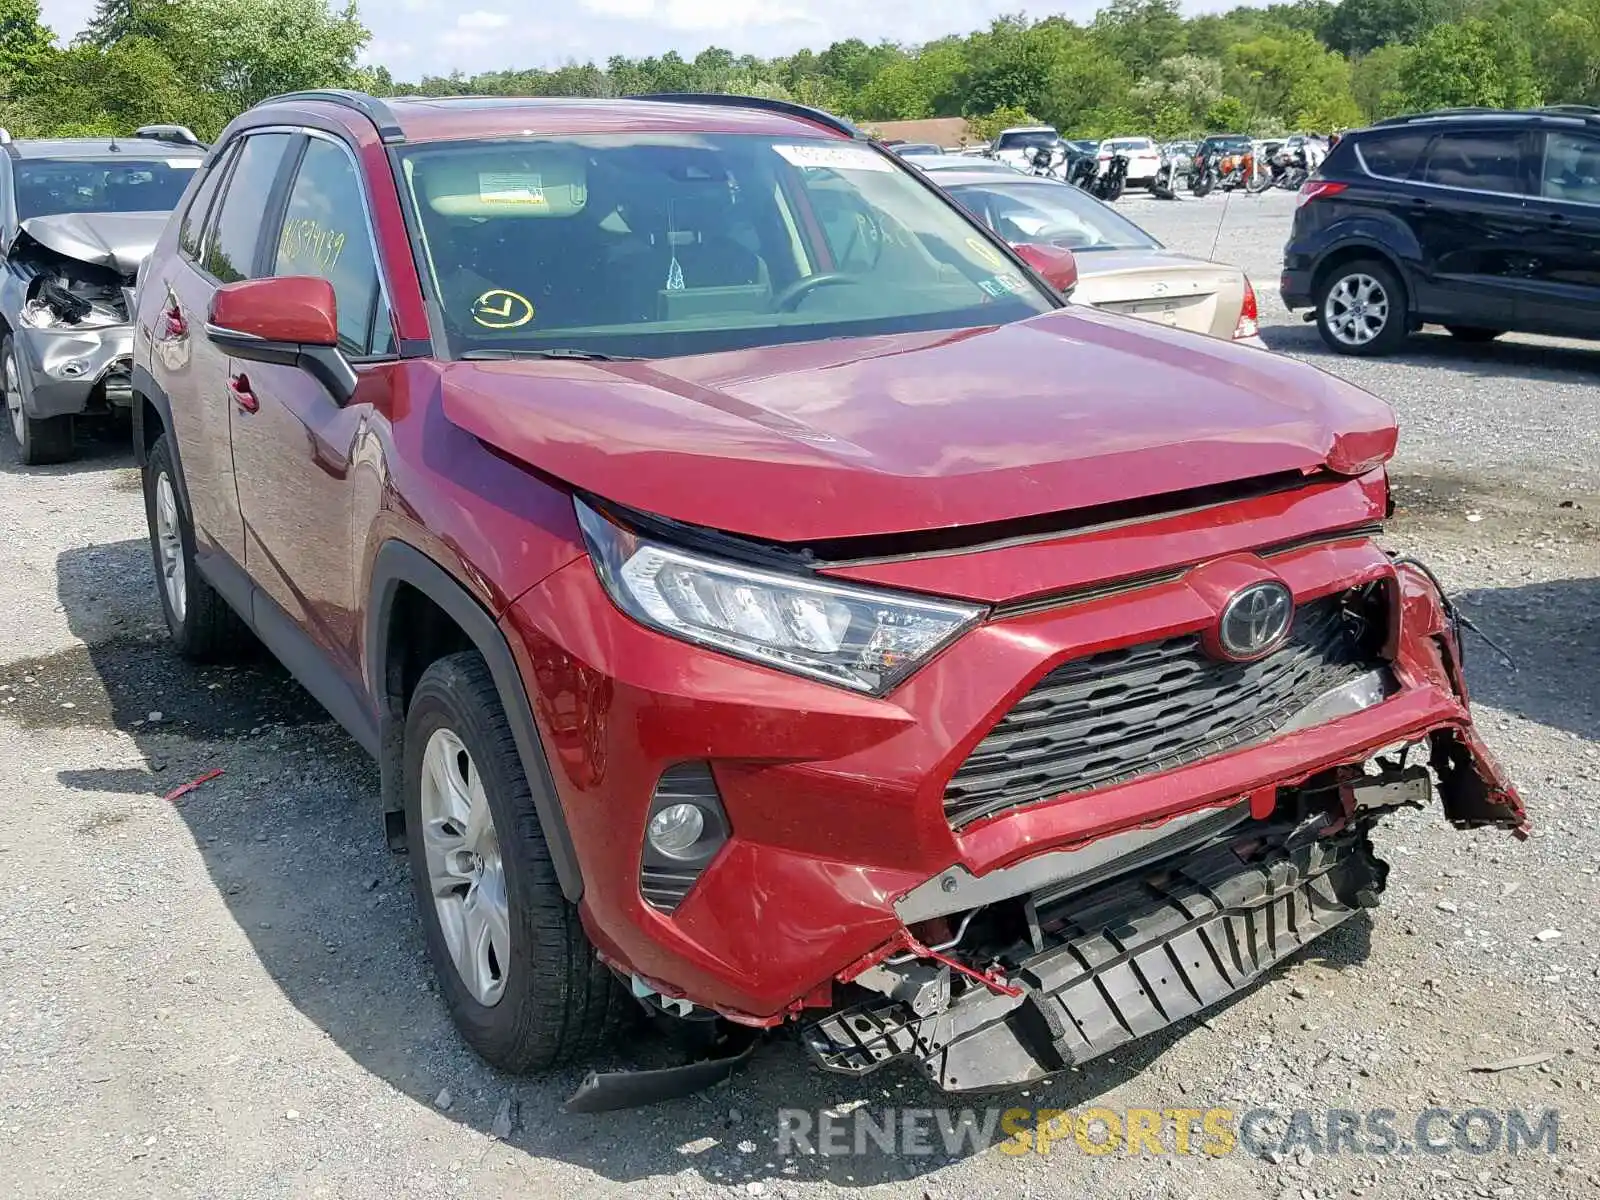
{"x": 227, "y": 996}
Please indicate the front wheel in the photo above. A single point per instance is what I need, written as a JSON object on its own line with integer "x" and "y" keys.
{"x": 517, "y": 972}
{"x": 1203, "y": 183}
{"x": 39, "y": 440}
{"x": 1361, "y": 309}
{"x": 1113, "y": 191}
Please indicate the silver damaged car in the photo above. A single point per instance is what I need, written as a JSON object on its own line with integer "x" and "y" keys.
{"x": 78, "y": 217}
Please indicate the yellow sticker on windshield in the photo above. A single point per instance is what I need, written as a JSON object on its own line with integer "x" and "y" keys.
{"x": 500, "y": 309}
{"x": 986, "y": 252}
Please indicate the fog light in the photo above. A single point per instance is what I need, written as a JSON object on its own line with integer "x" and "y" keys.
{"x": 676, "y": 829}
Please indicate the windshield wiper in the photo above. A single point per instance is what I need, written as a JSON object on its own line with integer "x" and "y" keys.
{"x": 554, "y": 352}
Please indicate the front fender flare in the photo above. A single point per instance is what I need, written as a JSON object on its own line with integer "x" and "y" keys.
{"x": 398, "y": 563}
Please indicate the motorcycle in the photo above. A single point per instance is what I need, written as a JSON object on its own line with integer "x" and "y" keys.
{"x": 1045, "y": 161}
{"x": 1173, "y": 166}
{"x": 1109, "y": 184}
{"x": 1228, "y": 171}
{"x": 1083, "y": 172}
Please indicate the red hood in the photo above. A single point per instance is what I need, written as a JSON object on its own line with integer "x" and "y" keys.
{"x": 896, "y": 434}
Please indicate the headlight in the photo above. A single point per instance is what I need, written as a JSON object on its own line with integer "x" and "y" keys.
{"x": 858, "y": 638}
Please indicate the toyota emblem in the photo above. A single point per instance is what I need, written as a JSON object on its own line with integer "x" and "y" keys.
{"x": 1255, "y": 621}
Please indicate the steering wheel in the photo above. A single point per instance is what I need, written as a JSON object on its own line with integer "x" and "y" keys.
{"x": 789, "y": 299}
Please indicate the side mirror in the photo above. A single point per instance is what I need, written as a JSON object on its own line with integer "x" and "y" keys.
{"x": 1057, "y": 265}
{"x": 291, "y": 320}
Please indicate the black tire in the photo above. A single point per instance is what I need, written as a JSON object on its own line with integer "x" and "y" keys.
{"x": 40, "y": 440}
{"x": 1114, "y": 191}
{"x": 1203, "y": 183}
{"x": 1380, "y": 340}
{"x": 207, "y": 630}
{"x": 559, "y": 1003}
{"x": 1473, "y": 334}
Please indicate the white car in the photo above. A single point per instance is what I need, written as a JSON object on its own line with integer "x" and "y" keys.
{"x": 1144, "y": 157}
{"x": 1014, "y": 146}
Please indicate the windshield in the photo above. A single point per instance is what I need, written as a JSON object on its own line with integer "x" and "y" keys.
{"x": 1028, "y": 139}
{"x": 1126, "y": 145}
{"x": 653, "y": 245}
{"x": 48, "y": 186}
{"x": 1227, "y": 143}
{"x": 1054, "y": 213}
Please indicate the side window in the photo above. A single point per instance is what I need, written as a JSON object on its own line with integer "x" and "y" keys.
{"x": 230, "y": 249}
{"x": 1481, "y": 162}
{"x": 1392, "y": 156}
{"x": 194, "y": 217}
{"x": 1571, "y": 169}
{"x": 325, "y": 234}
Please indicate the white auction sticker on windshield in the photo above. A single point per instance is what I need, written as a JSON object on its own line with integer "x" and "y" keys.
{"x": 511, "y": 187}
{"x": 835, "y": 158}
{"x": 183, "y": 164}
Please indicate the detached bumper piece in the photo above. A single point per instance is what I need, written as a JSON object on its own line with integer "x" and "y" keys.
{"x": 1123, "y": 960}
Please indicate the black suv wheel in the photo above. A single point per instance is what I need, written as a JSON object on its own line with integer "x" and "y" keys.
{"x": 523, "y": 983}
{"x": 1361, "y": 308}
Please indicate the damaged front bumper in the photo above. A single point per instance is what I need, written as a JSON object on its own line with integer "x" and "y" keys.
{"x": 69, "y": 370}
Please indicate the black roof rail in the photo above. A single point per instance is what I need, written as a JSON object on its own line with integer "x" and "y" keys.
{"x": 787, "y": 107}
{"x": 1588, "y": 111}
{"x": 1439, "y": 113}
{"x": 375, "y": 110}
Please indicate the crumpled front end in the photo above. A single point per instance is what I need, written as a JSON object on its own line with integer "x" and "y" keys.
{"x": 68, "y": 298}
{"x": 1084, "y": 786}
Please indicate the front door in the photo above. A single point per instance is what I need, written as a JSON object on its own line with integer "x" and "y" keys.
{"x": 1564, "y": 245}
{"x": 1472, "y": 222}
{"x": 293, "y": 443}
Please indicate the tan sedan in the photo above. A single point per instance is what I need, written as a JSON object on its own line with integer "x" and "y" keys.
{"x": 1121, "y": 268}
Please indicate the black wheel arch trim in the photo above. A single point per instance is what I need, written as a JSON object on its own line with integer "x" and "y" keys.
{"x": 399, "y": 563}
{"x": 145, "y": 387}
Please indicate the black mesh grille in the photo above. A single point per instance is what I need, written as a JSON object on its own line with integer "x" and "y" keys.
{"x": 1114, "y": 716}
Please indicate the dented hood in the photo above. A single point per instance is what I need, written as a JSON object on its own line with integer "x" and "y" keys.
{"x": 868, "y": 436}
{"x": 120, "y": 241}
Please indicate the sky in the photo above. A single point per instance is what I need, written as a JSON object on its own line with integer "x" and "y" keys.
{"x": 433, "y": 37}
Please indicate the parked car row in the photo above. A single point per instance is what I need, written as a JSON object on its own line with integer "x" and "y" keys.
{"x": 770, "y": 603}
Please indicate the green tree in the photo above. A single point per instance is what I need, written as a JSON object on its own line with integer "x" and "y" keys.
{"x": 26, "y": 45}
{"x": 247, "y": 50}
{"x": 896, "y": 93}
{"x": 1141, "y": 33}
{"x": 1292, "y": 80}
{"x": 1359, "y": 26}
{"x": 1176, "y": 96}
{"x": 1375, "y": 82}
{"x": 1228, "y": 115}
{"x": 985, "y": 127}
{"x": 1467, "y": 64}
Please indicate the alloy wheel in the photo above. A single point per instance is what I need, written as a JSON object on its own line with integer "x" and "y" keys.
{"x": 465, "y": 871}
{"x": 169, "y": 546}
{"x": 1356, "y": 310}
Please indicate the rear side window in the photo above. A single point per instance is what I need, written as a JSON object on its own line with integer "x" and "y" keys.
{"x": 230, "y": 250}
{"x": 325, "y": 233}
{"x": 1480, "y": 161}
{"x": 1393, "y": 155}
{"x": 194, "y": 220}
{"x": 1571, "y": 169}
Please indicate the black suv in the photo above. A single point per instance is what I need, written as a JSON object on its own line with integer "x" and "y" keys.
{"x": 1480, "y": 220}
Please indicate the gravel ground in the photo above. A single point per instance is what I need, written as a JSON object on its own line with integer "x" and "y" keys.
{"x": 227, "y": 996}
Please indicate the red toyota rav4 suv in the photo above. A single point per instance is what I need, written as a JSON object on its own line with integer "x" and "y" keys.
{"x": 757, "y": 598}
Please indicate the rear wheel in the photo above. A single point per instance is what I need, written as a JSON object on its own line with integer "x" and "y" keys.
{"x": 39, "y": 440}
{"x": 1473, "y": 333}
{"x": 1361, "y": 309}
{"x": 520, "y": 978}
{"x": 202, "y": 625}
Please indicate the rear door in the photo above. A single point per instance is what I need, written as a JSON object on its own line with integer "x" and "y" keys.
{"x": 219, "y": 232}
{"x": 1563, "y": 294}
{"x": 1472, "y": 221}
